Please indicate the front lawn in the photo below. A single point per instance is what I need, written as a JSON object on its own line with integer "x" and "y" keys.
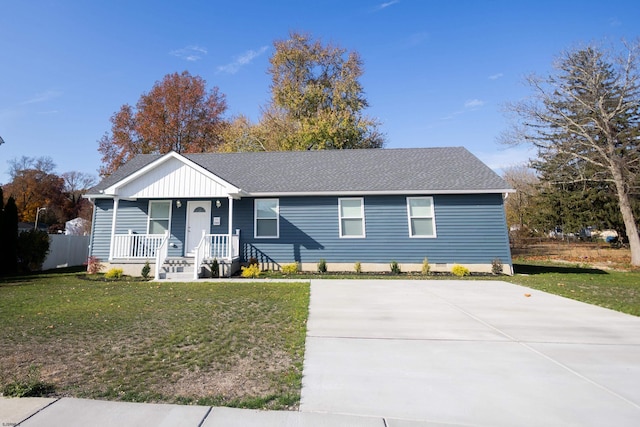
{"x": 234, "y": 344}
{"x": 617, "y": 290}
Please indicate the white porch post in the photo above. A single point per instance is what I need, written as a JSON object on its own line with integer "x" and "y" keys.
{"x": 116, "y": 202}
{"x": 229, "y": 244}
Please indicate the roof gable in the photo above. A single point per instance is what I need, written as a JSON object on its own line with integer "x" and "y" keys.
{"x": 170, "y": 176}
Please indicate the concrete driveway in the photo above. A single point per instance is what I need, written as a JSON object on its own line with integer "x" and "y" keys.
{"x": 483, "y": 353}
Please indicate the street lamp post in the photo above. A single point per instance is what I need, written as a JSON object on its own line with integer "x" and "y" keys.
{"x": 35, "y": 227}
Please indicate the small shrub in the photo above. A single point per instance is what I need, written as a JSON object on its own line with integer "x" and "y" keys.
{"x": 94, "y": 265}
{"x": 31, "y": 386}
{"x": 460, "y": 270}
{"x": 146, "y": 269}
{"x": 426, "y": 268}
{"x": 214, "y": 266}
{"x": 114, "y": 273}
{"x": 357, "y": 267}
{"x": 322, "y": 266}
{"x": 496, "y": 266}
{"x": 395, "y": 268}
{"x": 253, "y": 261}
{"x": 292, "y": 268}
{"x": 252, "y": 271}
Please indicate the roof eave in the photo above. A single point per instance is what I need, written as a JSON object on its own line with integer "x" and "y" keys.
{"x": 373, "y": 193}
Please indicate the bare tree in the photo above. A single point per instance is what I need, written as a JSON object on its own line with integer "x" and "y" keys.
{"x": 585, "y": 119}
{"x": 519, "y": 206}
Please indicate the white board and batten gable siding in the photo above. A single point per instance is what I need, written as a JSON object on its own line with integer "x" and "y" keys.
{"x": 174, "y": 178}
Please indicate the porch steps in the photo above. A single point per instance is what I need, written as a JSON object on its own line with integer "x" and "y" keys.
{"x": 177, "y": 269}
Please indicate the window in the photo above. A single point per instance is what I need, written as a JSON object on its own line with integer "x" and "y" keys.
{"x": 267, "y": 218}
{"x": 421, "y": 217}
{"x": 159, "y": 216}
{"x": 351, "y": 213}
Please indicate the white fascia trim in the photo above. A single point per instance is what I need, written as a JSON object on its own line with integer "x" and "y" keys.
{"x": 113, "y": 189}
{"x": 376, "y": 193}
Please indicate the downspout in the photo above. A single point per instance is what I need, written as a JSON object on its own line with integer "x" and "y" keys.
{"x": 116, "y": 202}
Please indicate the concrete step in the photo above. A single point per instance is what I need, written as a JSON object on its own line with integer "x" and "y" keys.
{"x": 177, "y": 277}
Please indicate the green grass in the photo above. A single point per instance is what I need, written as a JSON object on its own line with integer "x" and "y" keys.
{"x": 236, "y": 344}
{"x": 617, "y": 290}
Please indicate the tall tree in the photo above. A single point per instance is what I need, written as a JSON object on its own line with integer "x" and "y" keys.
{"x": 585, "y": 119}
{"x": 317, "y": 98}
{"x": 35, "y": 185}
{"x": 9, "y": 261}
{"x": 178, "y": 114}
{"x": 3, "y": 238}
{"x": 75, "y": 185}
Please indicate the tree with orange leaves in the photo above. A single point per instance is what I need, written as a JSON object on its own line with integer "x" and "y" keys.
{"x": 178, "y": 114}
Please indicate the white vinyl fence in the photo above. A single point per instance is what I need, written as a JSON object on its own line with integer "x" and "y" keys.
{"x": 66, "y": 251}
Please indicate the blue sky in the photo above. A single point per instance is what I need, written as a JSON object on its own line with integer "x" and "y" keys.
{"x": 437, "y": 73}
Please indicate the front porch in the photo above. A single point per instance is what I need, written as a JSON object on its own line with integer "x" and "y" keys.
{"x": 136, "y": 249}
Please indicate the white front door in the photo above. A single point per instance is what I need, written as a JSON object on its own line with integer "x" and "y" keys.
{"x": 198, "y": 220}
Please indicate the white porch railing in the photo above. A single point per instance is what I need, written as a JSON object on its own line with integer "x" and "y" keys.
{"x": 136, "y": 246}
{"x": 219, "y": 246}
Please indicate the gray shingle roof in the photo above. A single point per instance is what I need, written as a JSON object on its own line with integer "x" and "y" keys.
{"x": 446, "y": 169}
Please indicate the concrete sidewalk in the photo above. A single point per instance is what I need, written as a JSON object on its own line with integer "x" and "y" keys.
{"x": 68, "y": 412}
{"x": 469, "y": 353}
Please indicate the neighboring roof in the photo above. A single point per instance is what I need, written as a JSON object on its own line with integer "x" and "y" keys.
{"x": 411, "y": 170}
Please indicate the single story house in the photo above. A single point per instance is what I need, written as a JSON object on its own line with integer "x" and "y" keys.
{"x": 370, "y": 206}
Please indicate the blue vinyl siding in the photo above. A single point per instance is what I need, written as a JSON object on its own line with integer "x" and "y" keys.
{"x": 101, "y": 228}
{"x": 470, "y": 229}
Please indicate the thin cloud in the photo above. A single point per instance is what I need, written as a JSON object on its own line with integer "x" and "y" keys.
{"x": 474, "y": 103}
{"x": 496, "y": 76}
{"x": 242, "y": 60}
{"x": 42, "y": 97}
{"x": 507, "y": 157}
{"x": 469, "y": 105}
{"x": 190, "y": 53}
{"x": 385, "y": 5}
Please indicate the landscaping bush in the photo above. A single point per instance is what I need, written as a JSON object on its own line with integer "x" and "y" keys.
{"x": 33, "y": 246}
{"x": 146, "y": 269}
{"x": 94, "y": 265}
{"x": 292, "y": 268}
{"x": 395, "y": 268}
{"x": 322, "y": 266}
{"x": 460, "y": 271}
{"x": 426, "y": 268}
{"x": 252, "y": 271}
{"x": 357, "y": 267}
{"x": 496, "y": 266}
{"x": 215, "y": 267}
{"x": 114, "y": 273}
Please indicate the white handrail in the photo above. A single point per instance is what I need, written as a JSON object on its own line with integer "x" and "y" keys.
{"x": 161, "y": 254}
{"x": 199, "y": 255}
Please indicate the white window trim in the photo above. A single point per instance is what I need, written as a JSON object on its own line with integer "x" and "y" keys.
{"x": 362, "y": 217}
{"x": 255, "y": 219}
{"x": 432, "y": 216}
{"x": 168, "y": 219}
